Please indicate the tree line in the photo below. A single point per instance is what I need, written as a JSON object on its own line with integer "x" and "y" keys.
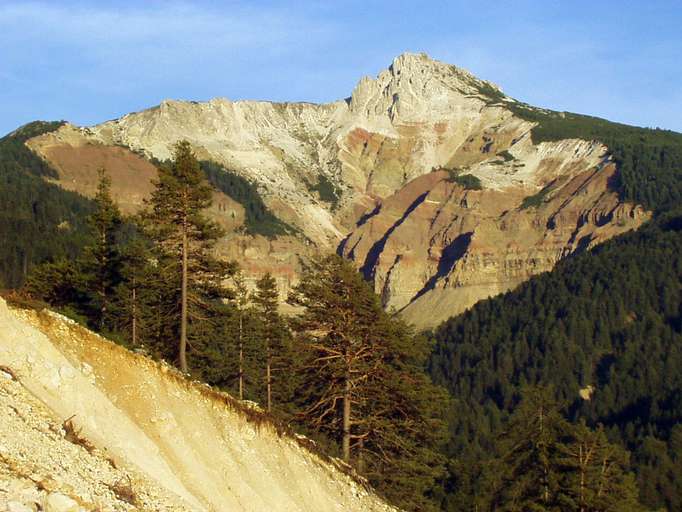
{"x": 343, "y": 371}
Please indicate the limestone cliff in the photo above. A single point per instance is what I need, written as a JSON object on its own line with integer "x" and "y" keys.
{"x": 430, "y": 247}
{"x": 87, "y": 425}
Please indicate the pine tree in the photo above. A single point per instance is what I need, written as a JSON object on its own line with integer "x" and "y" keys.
{"x": 336, "y": 317}
{"x": 364, "y": 383}
{"x": 530, "y": 449}
{"x": 266, "y": 300}
{"x": 59, "y": 284}
{"x": 101, "y": 261}
{"x": 241, "y": 303}
{"x": 595, "y": 474}
{"x": 177, "y": 224}
{"x": 131, "y": 293}
{"x": 549, "y": 464}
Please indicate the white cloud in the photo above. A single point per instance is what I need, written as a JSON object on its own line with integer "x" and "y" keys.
{"x": 174, "y": 24}
{"x": 166, "y": 46}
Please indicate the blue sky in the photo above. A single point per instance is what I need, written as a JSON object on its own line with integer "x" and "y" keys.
{"x": 87, "y": 62}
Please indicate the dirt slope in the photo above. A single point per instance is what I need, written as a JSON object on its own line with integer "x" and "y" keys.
{"x": 176, "y": 445}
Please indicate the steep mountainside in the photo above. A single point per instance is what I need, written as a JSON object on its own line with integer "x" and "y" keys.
{"x": 357, "y": 176}
{"x": 94, "y": 427}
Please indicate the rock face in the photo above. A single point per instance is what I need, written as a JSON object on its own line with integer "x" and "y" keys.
{"x": 87, "y": 425}
{"x": 431, "y": 248}
{"x": 451, "y": 246}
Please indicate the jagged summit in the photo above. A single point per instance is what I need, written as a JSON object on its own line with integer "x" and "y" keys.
{"x": 415, "y": 84}
{"x": 410, "y": 75}
{"x": 409, "y": 63}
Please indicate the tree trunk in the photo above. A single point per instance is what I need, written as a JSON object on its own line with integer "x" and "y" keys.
{"x": 134, "y": 313}
{"x": 361, "y": 456}
{"x": 545, "y": 481}
{"x": 102, "y": 284}
{"x": 183, "y": 299}
{"x": 583, "y": 466}
{"x": 241, "y": 357}
{"x": 346, "y": 419}
{"x": 268, "y": 376}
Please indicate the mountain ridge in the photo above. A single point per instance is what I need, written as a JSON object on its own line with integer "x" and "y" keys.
{"x": 417, "y": 116}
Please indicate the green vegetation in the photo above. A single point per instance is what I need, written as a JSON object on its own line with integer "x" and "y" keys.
{"x": 543, "y": 462}
{"x": 259, "y": 219}
{"x": 16, "y": 157}
{"x": 39, "y": 221}
{"x": 536, "y": 200}
{"x": 607, "y": 322}
{"x": 101, "y": 260}
{"x": 184, "y": 239}
{"x": 506, "y": 156}
{"x": 610, "y": 318}
{"x": 649, "y": 160}
{"x": 273, "y": 334}
{"x": 491, "y": 94}
{"x": 326, "y": 190}
{"x": 466, "y": 181}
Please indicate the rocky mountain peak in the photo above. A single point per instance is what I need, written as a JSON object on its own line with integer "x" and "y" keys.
{"x": 416, "y": 87}
{"x": 413, "y": 65}
{"x": 322, "y": 169}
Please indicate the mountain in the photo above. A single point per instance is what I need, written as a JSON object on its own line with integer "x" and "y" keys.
{"x": 88, "y": 425}
{"x": 431, "y": 180}
{"x": 444, "y": 191}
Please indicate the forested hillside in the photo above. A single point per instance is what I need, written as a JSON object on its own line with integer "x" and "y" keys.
{"x": 38, "y": 221}
{"x": 603, "y": 329}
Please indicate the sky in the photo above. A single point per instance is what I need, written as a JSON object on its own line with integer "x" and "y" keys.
{"x": 88, "y": 62}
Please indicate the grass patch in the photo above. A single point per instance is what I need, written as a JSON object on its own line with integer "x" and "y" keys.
{"x": 326, "y": 190}
{"x": 536, "y": 200}
{"x": 506, "y": 156}
{"x": 649, "y": 160}
{"x": 492, "y": 95}
{"x": 466, "y": 181}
